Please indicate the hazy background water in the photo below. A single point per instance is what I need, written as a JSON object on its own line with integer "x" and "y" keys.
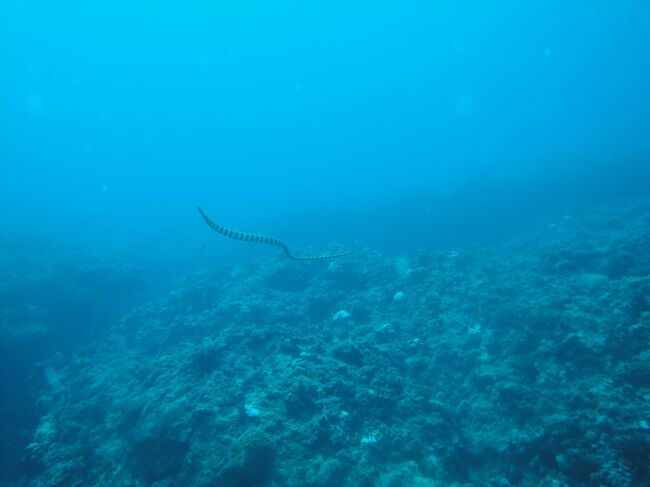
{"x": 117, "y": 118}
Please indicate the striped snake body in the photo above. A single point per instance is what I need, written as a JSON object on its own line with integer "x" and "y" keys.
{"x": 252, "y": 237}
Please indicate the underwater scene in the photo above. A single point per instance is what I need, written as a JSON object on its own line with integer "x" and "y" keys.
{"x": 324, "y": 244}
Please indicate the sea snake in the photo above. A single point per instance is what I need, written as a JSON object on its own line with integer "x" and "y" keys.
{"x": 251, "y": 237}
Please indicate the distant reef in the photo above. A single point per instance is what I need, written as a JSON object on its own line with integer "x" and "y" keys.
{"x": 51, "y": 301}
{"x": 525, "y": 363}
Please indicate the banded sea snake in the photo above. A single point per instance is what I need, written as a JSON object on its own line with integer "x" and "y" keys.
{"x": 251, "y": 237}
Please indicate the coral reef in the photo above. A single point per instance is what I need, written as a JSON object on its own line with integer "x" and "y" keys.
{"x": 524, "y": 364}
{"x": 51, "y": 301}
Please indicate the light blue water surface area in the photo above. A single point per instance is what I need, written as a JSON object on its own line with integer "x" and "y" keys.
{"x": 490, "y": 161}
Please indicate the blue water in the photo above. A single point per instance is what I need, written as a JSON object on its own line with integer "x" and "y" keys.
{"x": 117, "y": 119}
{"x": 394, "y": 126}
